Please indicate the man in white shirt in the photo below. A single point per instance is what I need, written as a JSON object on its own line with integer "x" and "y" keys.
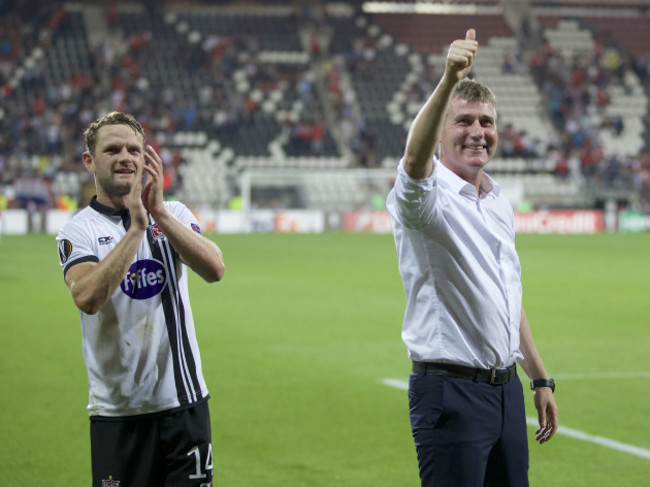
{"x": 464, "y": 326}
{"x": 125, "y": 259}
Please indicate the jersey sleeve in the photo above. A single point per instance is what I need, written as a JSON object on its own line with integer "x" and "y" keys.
{"x": 184, "y": 214}
{"x": 413, "y": 199}
{"x": 75, "y": 246}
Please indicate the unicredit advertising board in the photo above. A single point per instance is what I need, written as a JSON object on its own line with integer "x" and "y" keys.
{"x": 551, "y": 221}
{"x": 560, "y": 221}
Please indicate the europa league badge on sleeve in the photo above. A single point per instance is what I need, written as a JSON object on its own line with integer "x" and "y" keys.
{"x": 65, "y": 249}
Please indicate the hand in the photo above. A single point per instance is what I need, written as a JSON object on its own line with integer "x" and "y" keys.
{"x": 152, "y": 194}
{"x": 546, "y": 414}
{"x": 138, "y": 212}
{"x": 461, "y": 55}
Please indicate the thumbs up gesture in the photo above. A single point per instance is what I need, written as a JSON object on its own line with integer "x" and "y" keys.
{"x": 461, "y": 55}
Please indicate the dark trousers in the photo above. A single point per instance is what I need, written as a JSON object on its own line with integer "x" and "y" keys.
{"x": 468, "y": 434}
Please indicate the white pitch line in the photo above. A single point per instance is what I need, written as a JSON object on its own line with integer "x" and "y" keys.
{"x": 396, "y": 383}
{"x": 598, "y": 440}
{"x": 562, "y": 430}
{"x": 604, "y": 375}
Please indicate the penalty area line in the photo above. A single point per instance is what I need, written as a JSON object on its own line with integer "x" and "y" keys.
{"x": 562, "y": 430}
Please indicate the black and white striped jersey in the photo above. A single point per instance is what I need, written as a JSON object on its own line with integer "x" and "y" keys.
{"x": 140, "y": 349}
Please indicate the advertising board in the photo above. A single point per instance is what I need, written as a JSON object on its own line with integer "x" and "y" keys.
{"x": 560, "y": 221}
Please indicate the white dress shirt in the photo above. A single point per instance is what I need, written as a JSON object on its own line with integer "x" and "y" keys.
{"x": 460, "y": 269}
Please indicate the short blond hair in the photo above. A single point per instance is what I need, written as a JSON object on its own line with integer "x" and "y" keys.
{"x": 112, "y": 118}
{"x": 472, "y": 90}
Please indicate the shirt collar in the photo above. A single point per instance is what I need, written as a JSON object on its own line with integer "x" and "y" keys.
{"x": 124, "y": 214}
{"x": 488, "y": 186}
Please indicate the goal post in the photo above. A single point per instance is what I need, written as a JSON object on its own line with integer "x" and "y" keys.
{"x": 316, "y": 189}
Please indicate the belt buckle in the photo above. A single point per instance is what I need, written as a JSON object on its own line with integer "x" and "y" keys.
{"x": 493, "y": 376}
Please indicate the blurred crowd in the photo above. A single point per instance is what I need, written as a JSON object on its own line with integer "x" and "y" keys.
{"x": 577, "y": 91}
{"x": 41, "y": 123}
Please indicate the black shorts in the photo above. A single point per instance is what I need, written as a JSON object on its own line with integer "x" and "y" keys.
{"x": 171, "y": 449}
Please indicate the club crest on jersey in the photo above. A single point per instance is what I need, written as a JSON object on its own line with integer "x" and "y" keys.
{"x": 156, "y": 231}
{"x": 145, "y": 279}
{"x": 110, "y": 482}
{"x": 65, "y": 249}
{"x": 196, "y": 228}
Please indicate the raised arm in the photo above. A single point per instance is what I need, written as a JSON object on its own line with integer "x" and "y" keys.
{"x": 202, "y": 255}
{"x": 93, "y": 283}
{"x": 425, "y": 131}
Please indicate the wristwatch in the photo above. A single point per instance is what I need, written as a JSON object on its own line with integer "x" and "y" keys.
{"x": 543, "y": 383}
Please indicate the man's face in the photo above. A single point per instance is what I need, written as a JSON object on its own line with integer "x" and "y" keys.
{"x": 469, "y": 136}
{"x": 118, "y": 153}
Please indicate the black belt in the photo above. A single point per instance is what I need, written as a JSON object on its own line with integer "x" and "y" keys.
{"x": 491, "y": 376}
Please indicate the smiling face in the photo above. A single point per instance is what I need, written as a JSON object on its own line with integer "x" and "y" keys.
{"x": 118, "y": 153}
{"x": 469, "y": 137}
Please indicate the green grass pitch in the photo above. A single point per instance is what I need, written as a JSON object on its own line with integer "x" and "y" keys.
{"x": 295, "y": 341}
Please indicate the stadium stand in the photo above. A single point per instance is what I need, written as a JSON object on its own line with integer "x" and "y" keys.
{"x": 224, "y": 88}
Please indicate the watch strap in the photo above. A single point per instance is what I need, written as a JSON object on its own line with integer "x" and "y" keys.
{"x": 543, "y": 383}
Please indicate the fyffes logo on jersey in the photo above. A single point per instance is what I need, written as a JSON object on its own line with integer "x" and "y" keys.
{"x": 145, "y": 279}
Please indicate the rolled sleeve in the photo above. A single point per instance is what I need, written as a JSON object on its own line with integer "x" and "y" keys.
{"x": 411, "y": 198}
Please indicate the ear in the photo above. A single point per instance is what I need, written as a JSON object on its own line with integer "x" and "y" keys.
{"x": 88, "y": 162}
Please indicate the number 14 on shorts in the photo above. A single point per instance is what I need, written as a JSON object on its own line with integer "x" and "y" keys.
{"x": 201, "y": 470}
